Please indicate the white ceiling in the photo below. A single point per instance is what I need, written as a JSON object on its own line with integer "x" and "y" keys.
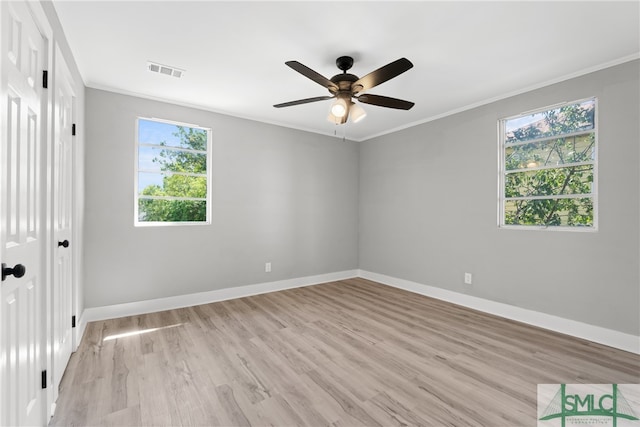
{"x": 464, "y": 53}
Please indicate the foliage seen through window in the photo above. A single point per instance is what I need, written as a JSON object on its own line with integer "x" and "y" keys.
{"x": 549, "y": 167}
{"x": 172, "y": 173}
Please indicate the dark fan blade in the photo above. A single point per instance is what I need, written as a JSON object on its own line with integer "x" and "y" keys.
{"x": 309, "y": 73}
{"x": 303, "y": 101}
{"x": 382, "y": 74}
{"x": 385, "y": 101}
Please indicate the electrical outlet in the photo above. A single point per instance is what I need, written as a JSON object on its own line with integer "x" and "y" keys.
{"x": 467, "y": 278}
{"x": 267, "y": 267}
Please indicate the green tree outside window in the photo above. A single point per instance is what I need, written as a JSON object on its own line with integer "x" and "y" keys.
{"x": 549, "y": 167}
{"x": 172, "y": 173}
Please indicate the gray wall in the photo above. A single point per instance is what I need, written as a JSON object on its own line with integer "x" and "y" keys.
{"x": 279, "y": 195}
{"x": 428, "y": 210}
{"x": 419, "y": 204}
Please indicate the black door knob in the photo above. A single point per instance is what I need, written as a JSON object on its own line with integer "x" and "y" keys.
{"x": 17, "y": 271}
{"x": 64, "y": 244}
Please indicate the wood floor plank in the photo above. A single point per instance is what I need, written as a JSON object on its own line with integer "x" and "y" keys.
{"x": 346, "y": 353}
{"x": 342, "y": 397}
{"x": 124, "y": 417}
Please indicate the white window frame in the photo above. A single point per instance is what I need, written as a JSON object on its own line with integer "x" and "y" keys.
{"x": 502, "y": 173}
{"x": 138, "y": 223}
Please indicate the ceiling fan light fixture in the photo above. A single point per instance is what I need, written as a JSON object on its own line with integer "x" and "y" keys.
{"x": 339, "y": 108}
{"x": 356, "y": 113}
{"x": 333, "y": 119}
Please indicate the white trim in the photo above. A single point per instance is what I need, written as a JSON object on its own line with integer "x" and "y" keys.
{"x": 196, "y": 199}
{"x": 544, "y": 139}
{"x": 180, "y": 301}
{"x": 550, "y": 228}
{"x": 168, "y": 147}
{"x": 487, "y": 101}
{"x": 550, "y": 197}
{"x": 609, "y": 337}
{"x": 539, "y": 168}
{"x": 203, "y": 107}
{"x": 81, "y": 325}
{"x": 471, "y": 106}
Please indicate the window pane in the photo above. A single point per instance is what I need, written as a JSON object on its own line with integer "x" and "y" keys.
{"x": 549, "y": 182}
{"x": 548, "y": 167}
{"x": 161, "y": 159}
{"x": 152, "y": 132}
{"x": 579, "y": 148}
{"x": 152, "y": 210}
{"x": 146, "y": 179}
{"x": 563, "y": 120}
{"x": 551, "y": 212}
{"x": 155, "y": 184}
{"x": 172, "y": 172}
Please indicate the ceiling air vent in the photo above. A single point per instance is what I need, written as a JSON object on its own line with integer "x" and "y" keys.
{"x": 164, "y": 69}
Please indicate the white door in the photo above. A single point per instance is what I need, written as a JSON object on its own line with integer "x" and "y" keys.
{"x": 62, "y": 205}
{"x": 21, "y": 305}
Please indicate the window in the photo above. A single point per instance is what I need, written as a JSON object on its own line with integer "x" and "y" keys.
{"x": 172, "y": 173}
{"x": 548, "y": 167}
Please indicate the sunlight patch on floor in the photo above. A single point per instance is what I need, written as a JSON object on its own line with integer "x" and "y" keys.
{"x": 140, "y": 332}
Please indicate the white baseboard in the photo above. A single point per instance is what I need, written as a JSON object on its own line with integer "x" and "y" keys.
{"x": 609, "y": 337}
{"x": 81, "y": 325}
{"x": 160, "y": 304}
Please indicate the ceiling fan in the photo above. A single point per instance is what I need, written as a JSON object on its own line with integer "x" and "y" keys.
{"x": 345, "y": 87}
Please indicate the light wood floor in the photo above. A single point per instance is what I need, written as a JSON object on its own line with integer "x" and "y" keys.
{"x": 346, "y": 353}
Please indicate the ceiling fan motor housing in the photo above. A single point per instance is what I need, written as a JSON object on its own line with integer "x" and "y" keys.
{"x": 344, "y": 82}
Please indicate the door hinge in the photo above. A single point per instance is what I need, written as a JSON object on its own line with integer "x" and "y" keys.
{"x": 45, "y": 79}
{"x": 73, "y": 321}
{"x": 73, "y": 129}
{"x": 44, "y": 379}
